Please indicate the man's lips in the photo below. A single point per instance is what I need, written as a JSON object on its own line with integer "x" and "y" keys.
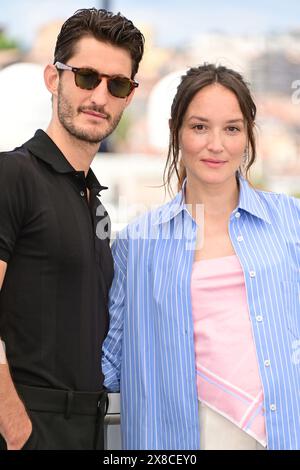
{"x": 95, "y": 114}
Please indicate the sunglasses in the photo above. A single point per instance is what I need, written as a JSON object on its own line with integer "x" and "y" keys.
{"x": 89, "y": 79}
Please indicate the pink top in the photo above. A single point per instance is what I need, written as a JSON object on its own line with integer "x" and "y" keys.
{"x": 227, "y": 372}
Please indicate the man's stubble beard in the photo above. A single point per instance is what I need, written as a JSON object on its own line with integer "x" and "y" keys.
{"x": 67, "y": 114}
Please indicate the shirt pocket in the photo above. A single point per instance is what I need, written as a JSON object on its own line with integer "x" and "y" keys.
{"x": 291, "y": 295}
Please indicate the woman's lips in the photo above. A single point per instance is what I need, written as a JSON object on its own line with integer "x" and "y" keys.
{"x": 213, "y": 163}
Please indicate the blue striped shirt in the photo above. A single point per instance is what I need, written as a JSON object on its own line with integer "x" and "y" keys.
{"x": 149, "y": 351}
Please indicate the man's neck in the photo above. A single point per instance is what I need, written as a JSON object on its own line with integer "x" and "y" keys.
{"x": 79, "y": 154}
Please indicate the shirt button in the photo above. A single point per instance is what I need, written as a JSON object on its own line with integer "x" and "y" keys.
{"x": 252, "y": 273}
{"x": 259, "y": 318}
{"x": 237, "y": 215}
{"x": 267, "y": 363}
{"x": 82, "y": 193}
{"x": 240, "y": 238}
{"x": 273, "y": 407}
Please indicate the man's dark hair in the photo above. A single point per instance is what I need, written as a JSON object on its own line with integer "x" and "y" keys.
{"x": 103, "y": 25}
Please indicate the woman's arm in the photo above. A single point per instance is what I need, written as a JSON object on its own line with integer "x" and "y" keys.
{"x": 112, "y": 347}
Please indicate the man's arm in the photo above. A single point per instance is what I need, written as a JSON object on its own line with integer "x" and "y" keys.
{"x": 15, "y": 425}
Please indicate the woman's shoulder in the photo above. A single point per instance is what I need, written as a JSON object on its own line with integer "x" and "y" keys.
{"x": 272, "y": 207}
{"x": 252, "y": 195}
{"x": 283, "y": 210}
{"x": 279, "y": 201}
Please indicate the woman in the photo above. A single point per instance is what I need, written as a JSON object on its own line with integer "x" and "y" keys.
{"x": 205, "y": 315}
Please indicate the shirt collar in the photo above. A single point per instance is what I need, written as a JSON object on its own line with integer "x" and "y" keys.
{"x": 93, "y": 183}
{"x": 249, "y": 200}
{"x": 172, "y": 208}
{"x": 43, "y": 147}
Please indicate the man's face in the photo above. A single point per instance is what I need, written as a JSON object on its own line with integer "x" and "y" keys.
{"x": 92, "y": 115}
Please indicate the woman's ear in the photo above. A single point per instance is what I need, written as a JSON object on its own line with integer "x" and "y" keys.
{"x": 51, "y": 78}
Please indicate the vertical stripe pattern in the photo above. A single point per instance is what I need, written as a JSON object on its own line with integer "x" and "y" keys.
{"x": 149, "y": 351}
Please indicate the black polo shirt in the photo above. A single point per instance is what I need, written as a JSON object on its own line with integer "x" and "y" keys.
{"x": 53, "y": 302}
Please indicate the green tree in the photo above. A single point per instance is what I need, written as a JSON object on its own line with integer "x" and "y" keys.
{"x": 7, "y": 43}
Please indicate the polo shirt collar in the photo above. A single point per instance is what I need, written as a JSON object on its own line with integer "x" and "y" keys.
{"x": 43, "y": 147}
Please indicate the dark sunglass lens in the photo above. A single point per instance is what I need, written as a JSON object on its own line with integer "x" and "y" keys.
{"x": 119, "y": 87}
{"x": 87, "y": 79}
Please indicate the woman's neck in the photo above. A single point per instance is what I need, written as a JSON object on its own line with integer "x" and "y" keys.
{"x": 219, "y": 200}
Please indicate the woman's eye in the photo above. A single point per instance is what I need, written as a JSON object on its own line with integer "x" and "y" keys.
{"x": 233, "y": 129}
{"x": 199, "y": 127}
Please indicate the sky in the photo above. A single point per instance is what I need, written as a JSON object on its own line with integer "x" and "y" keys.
{"x": 174, "y": 21}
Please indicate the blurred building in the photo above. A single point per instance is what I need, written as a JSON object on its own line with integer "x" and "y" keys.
{"x": 43, "y": 47}
{"x": 273, "y": 72}
{"x": 271, "y": 63}
{"x": 233, "y": 51}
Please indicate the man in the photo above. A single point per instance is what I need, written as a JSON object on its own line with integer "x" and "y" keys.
{"x": 54, "y": 271}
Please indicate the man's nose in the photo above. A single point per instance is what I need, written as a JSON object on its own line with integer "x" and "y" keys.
{"x": 100, "y": 94}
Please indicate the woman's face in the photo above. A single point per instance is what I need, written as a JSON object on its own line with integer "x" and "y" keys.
{"x": 213, "y": 136}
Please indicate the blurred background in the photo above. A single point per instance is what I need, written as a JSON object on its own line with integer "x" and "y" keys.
{"x": 258, "y": 38}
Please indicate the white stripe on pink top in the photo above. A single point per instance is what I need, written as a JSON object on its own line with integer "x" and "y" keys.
{"x": 227, "y": 372}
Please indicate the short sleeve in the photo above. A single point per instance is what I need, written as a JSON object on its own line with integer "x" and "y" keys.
{"x": 12, "y": 202}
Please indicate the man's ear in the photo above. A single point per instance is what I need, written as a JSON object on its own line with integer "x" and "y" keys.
{"x": 51, "y": 78}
